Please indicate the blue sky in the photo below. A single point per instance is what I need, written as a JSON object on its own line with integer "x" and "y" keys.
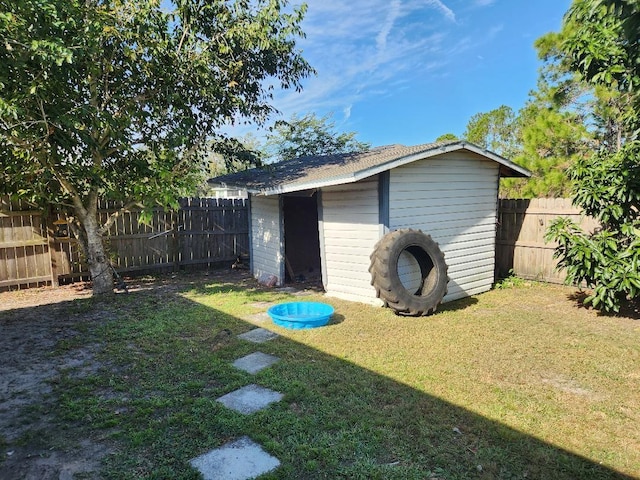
{"x": 407, "y": 71}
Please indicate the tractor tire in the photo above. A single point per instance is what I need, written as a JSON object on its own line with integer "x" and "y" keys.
{"x": 385, "y": 277}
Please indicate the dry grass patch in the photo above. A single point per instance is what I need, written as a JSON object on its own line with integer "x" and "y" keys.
{"x": 529, "y": 358}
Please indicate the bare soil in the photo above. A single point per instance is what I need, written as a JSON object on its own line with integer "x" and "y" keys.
{"x": 36, "y": 328}
{"x": 32, "y": 325}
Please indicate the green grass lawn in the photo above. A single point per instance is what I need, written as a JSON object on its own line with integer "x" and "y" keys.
{"x": 516, "y": 383}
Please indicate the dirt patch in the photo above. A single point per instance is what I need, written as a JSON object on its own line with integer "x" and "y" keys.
{"x": 43, "y": 334}
{"x": 34, "y": 324}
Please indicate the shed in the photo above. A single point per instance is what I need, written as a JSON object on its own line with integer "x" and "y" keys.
{"x": 324, "y": 215}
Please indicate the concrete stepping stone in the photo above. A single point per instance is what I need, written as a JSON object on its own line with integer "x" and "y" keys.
{"x": 239, "y": 460}
{"x": 250, "y": 399}
{"x": 258, "y": 335}
{"x": 254, "y": 362}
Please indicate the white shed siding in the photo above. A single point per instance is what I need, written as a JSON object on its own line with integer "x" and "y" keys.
{"x": 453, "y": 199}
{"x": 266, "y": 240}
{"x": 351, "y": 229}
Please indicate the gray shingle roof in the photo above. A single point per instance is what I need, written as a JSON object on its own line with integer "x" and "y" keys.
{"x": 320, "y": 171}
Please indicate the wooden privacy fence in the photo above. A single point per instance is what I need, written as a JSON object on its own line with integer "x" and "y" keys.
{"x": 35, "y": 248}
{"x": 520, "y": 244}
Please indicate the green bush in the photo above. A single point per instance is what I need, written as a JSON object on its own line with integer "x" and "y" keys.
{"x": 607, "y": 187}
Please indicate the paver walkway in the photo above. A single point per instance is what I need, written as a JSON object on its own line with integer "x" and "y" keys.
{"x": 243, "y": 459}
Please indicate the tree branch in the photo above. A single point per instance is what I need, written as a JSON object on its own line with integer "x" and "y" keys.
{"x": 114, "y": 216}
{"x": 92, "y": 207}
{"x": 137, "y": 100}
{"x": 185, "y": 31}
{"x": 70, "y": 189}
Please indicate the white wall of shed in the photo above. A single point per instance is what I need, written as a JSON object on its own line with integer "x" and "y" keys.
{"x": 452, "y": 198}
{"x": 350, "y": 230}
{"x": 266, "y": 237}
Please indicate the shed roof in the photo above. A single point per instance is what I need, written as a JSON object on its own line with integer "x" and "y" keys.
{"x": 309, "y": 172}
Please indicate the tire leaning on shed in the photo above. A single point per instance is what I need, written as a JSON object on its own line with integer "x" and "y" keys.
{"x": 385, "y": 277}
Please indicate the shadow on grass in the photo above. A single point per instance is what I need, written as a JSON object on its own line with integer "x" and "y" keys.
{"x": 164, "y": 359}
{"x": 458, "y": 304}
{"x": 336, "y": 319}
{"x": 628, "y": 309}
{"x": 579, "y": 296}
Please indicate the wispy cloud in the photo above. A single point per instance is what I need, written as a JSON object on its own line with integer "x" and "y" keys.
{"x": 392, "y": 15}
{"x": 364, "y": 49}
{"x": 358, "y": 47}
{"x": 346, "y": 111}
{"x": 443, "y": 8}
{"x": 495, "y": 30}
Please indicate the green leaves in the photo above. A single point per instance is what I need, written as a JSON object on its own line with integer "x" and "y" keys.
{"x": 310, "y": 135}
{"x": 587, "y": 97}
{"x": 607, "y": 186}
{"x": 496, "y": 130}
{"x": 607, "y": 260}
{"x": 88, "y": 86}
{"x": 120, "y": 99}
{"x": 599, "y": 44}
{"x": 602, "y": 45}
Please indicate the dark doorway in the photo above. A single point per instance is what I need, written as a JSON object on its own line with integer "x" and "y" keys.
{"x": 301, "y": 237}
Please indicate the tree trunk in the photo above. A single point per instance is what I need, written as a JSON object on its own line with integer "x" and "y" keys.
{"x": 99, "y": 266}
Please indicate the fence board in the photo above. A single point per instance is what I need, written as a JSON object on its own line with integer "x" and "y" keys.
{"x": 203, "y": 232}
{"x": 24, "y": 248}
{"x": 209, "y": 231}
{"x": 520, "y": 244}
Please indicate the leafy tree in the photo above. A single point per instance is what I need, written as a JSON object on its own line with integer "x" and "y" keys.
{"x": 601, "y": 43}
{"x": 509, "y": 134}
{"x": 565, "y": 118}
{"x": 607, "y": 183}
{"x": 447, "y": 137}
{"x": 552, "y": 137}
{"x": 599, "y": 108}
{"x": 309, "y": 135}
{"x": 496, "y": 130}
{"x": 243, "y": 153}
{"x": 119, "y": 99}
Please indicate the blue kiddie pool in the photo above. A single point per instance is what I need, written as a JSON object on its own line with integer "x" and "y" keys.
{"x": 298, "y": 315}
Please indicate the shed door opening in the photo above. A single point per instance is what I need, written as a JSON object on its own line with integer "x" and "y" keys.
{"x": 301, "y": 237}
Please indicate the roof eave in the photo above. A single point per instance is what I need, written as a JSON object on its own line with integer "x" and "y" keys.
{"x": 282, "y": 189}
{"x": 507, "y": 169}
{"x": 229, "y": 185}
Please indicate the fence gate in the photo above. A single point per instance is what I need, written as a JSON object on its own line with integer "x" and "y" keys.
{"x": 25, "y": 245}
